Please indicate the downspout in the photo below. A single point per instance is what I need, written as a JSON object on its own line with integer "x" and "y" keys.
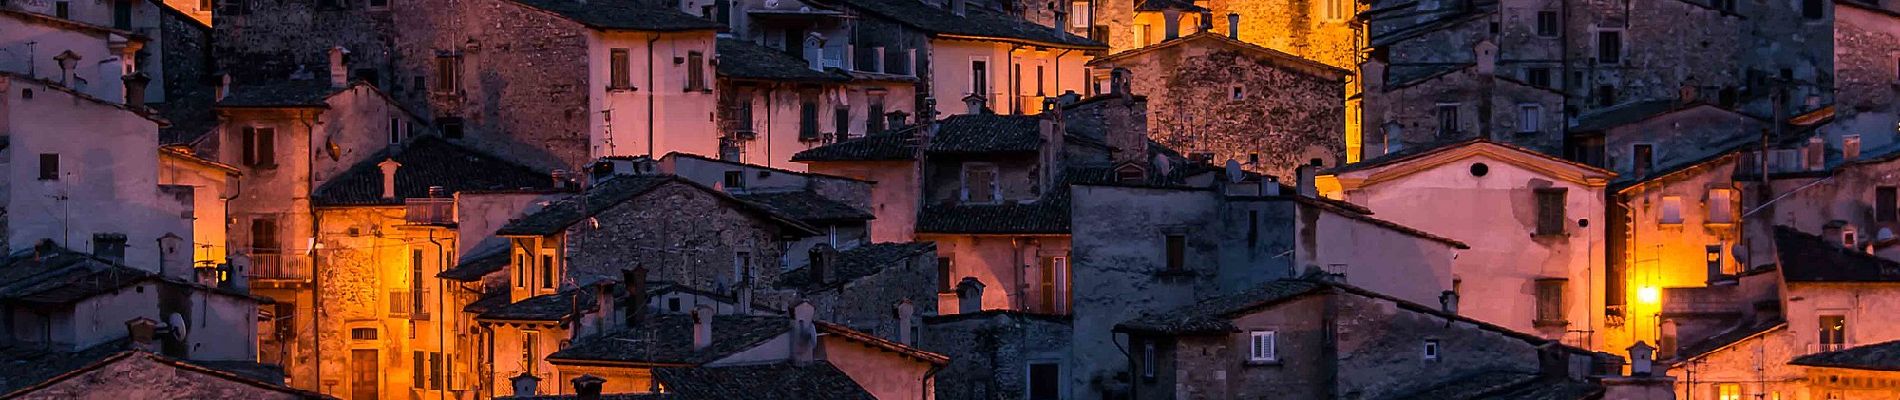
{"x": 925, "y": 385}
{"x": 1057, "y": 78}
{"x": 1016, "y": 257}
{"x": 652, "y": 92}
{"x": 441, "y": 309}
{"x": 316, "y": 280}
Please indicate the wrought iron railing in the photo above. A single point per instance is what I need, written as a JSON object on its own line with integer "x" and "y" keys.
{"x": 274, "y": 265}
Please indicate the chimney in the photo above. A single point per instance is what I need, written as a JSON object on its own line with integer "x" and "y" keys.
{"x": 1119, "y": 82}
{"x": 1233, "y": 26}
{"x": 969, "y": 295}
{"x": 68, "y": 61}
{"x": 804, "y": 333}
{"x": 1552, "y": 362}
{"x": 223, "y": 89}
{"x": 604, "y": 300}
{"x": 135, "y": 90}
{"x": 1448, "y": 302}
{"x": 1641, "y": 360}
{"x": 1485, "y": 54}
{"x": 525, "y": 384}
{"x": 1306, "y": 173}
{"x": 339, "y": 73}
{"x": 812, "y": 51}
{"x": 702, "y": 326}
{"x": 959, "y": 7}
{"x": 976, "y": 104}
{"x": 1686, "y": 94}
{"x": 1850, "y": 147}
{"x": 1817, "y": 153}
{"x": 143, "y": 332}
{"x": 821, "y": 268}
{"x": 636, "y": 303}
{"x": 587, "y": 387}
{"x": 1832, "y": 233}
{"x": 903, "y": 312}
{"x": 389, "y": 177}
{"x": 1171, "y": 23}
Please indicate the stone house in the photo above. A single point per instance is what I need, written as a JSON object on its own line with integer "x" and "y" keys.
{"x": 890, "y": 159}
{"x": 1414, "y": 105}
{"x": 209, "y": 183}
{"x": 384, "y": 228}
{"x": 1545, "y": 276}
{"x": 971, "y": 50}
{"x": 1214, "y": 95}
{"x": 142, "y": 374}
{"x": 1863, "y": 114}
{"x": 92, "y": 59}
{"x": 1323, "y": 31}
{"x": 1641, "y": 138}
{"x": 774, "y": 104}
{"x": 998, "y": 353}
{"x": 877, "y": 289}
{"x": 1861, "y": 372}
{"x": 1678, "y": 228}
{"x": 1319, "y": 339}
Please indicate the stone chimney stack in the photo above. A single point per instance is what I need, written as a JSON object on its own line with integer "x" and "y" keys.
{"x": 1641, "y": 362}
{"x": 389, "y": 167}
{"x": 68, "y": 62}
{"x": 969, "y": 296}
{"x": 587, "y": 387}
{"x": 1485, "y": 54}
{"x": 1171, "y": 22}
{"x": 143, "y": 332}
{"x": 1233, "y": 26}
{"x": 525, "y": 384}
{"x": 904, "y": 312}
{"x": 1206, "y": 23}
{"x": 636, "y": 300}
{"x": 339, "y": 73}
{"x": 1306, "y": 173}
{"x": 135, "y": 85}
{"x": 976, "y": 104}
{"x": 702, "y": 326}
{"x": 1448, "y": 302}
{"x": 804, "y": 333}
{"x": 813, "y": 51}
{"x": 604, "y": 300}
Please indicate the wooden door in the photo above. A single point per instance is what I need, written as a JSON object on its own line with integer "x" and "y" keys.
{"x": 364, "y": 375}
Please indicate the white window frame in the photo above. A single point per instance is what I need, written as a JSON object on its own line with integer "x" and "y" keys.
{"x": 996, "y": 189}
{"x": 1267, "y": 353}
{"x": 1622, "y": 45}
{"x": 989, "y": 72}
{"x": 1530, "y": 118}
{"x": 1079, "y": 14}
{"x": 1432, "y": 350}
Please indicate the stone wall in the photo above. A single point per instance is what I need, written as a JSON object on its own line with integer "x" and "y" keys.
{"x": 867, "y": 304}
{"x": 697, "y": 249}
{"x": 1868, "y": 102}
{"x": 1406, "y": 117}
{"x": 264, "y": 41}
{"x": 188, "y": 77}
{"x": 990, "y": 352}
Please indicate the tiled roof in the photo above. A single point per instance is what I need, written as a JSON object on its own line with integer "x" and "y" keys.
{"x": 1399, "y": 76}
{"x": 219, "y": 370}
{"x": 667, "y": 339}
{"x": 1159, "y": 5}
{"x": 280, "y": 93}
{"x": 1414, "y": 152}
{"x": 63, "y": 278}
{"x": 1049, "y": 214}
{"x": 605, "y": 194}
{"x": 427, "y": 161}
{"x": 495, "y": 298}
{"x": 1214, "y": 315}
{"x": 856, "y": 263}
{"x": 474, "y": 267}
{"x": 895, "y": 145}
{"x": 807, "y": 206}
{"x": 784, "y": 381}
{"x": 1627, "y": 113}
{"x": 546, "y": 308}
{"x": 1276, "y": 57}
{"x": 1883, "y": 356}
{"x": 27, "y": 365}
{"x": 987, "y": 133}
{"x": 746, "y": 60}
{"x": 1446, "y": 20}
{"x": 622, "y": 14}
{"x": 1506, "y": 384}
{"x": 1726, "y": 338}
{"x": 1353, "y": 211}
{"x": 976, "y": 23}
{"x": 1808, "y": 258}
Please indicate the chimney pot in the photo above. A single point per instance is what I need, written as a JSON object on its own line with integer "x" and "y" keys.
{"x": 702, "y": 326}
{"x": 389, "y": 167}
{"x": 68, "y": 61}
{"x": 976, "y": 104}
{"x": 904, "y": 311}
{"x": 525, "y": 384}
{"x": 1306, "y": 176}
{"x": 1233, "y": 26}
{"x": 1642, "y": 361}
{"x": 1448, "y": 302}
{"x": 339, "y": 73}
{"x": 969, "y": 295}
{"x": 804, "y": 333}
{"x": 135, "y": 85}
{"x": 1486, "y": 55}
{"x": 587, "y": 387}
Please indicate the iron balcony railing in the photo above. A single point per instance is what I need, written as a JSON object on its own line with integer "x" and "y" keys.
{"x": 274, "y": 265}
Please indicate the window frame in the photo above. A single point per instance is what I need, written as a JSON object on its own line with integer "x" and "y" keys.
{"x": 1552, "y": 30}
{"x": 979, "y": 82}
{"x": 1887, "y": 204}
{"x": 1669, "y": 211}
{"x": 49, "y": 166}
{"x": 696, "y": 71}
{"x": 1598, "y": 50}
{"x": 619, "y": 69}
{"x": 995, "y": 185}
{"x": 1530, "y": 117}
{"x": 448, "y": 74}
{"x": 1432, "y": 350}
{"x": 1551, "y": 298}
{"x": 1174, "y": 251}
{"x": 1148, "y": 359}
{"x": 1551, "y": 225}
{"x": 1725, "y": 213}
{"x": 1448, "y": 127}
{"x": 1256, "y": 353}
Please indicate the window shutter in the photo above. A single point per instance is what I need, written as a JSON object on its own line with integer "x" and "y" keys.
{"x": 1671, "y": 210}
{"x": 1885, "y": 201}
{"x": 249, "y": 139}
{"x": 416, "y": 370}
{"x": 266, "y": 147}
{"x": 808, "y": 120}
{"x": 1550, "y": 211}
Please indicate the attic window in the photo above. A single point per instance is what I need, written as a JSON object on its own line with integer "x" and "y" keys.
{"x": 1480, "y": 169}
{"x": 1130, "y": 174}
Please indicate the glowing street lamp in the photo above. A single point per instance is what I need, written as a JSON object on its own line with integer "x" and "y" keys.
{"x": 1649, "y": 294}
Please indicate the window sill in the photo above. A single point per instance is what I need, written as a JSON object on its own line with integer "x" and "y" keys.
{"x": 1263, "y": 363}
{"x": 1545, "y": 323}
{"x": 621, "y": 89}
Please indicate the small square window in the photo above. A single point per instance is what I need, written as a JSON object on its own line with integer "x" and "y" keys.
{"x": 49, "y": 166}
{"x": 1431, "y": 350}
{"x": 735, "y": 179}
{"x": 1236, "y": 93}
{"x": 1261, "y": 347}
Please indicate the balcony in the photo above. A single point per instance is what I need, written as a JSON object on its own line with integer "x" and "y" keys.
{"x": 273, "y": 265}
{"x": 439, "y": 211}
{"x": 405, "y": 304}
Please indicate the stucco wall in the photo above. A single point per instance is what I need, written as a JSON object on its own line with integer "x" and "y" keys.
{"x": 885, "y": 374}
{"x": 951, "y": 74}
{"x": 894, "y": 196}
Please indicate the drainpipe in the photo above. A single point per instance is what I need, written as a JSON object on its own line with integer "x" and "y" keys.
{"x": 1010, "y": 76}
{"x": 1016, "y": 257}
{"x": 316, "y": 279}
{"x": 925, "y": 383}
{"x": 441, "y": 311}
{"x": 652, "y": 91}
{"x": 1058, "y": 72}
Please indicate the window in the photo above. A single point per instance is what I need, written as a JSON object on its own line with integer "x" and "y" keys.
{"x": 1055, "y": 285}
{"x": 1547, "y": 23}
{"x": 1671, "y": 210}
{"x": 841, "y": 122}
{"x": 980, "y": 77}
{"x": 696, "y": 71}
{"x": 448, "y": 73}
{"x": 1335, "y": 10}
{"x": 1813, "y": 9}
{"x": 1721, "y": 206}
{"x": 1550, "y": 211}
{"x": 1642, "y": 158}
{"x": 264, "y": 235}
{"x": 1610, "y": 47}
{"x": 735, "y": 179}
{"x": 1728, "y": 391}
{"x": 945, "y": 273}
{"x": 1550, "y": 301}
{"x": 1447, "y": 119}
{"x": 619, "y": 72}
{"x": 1886, "y": 198}
{"x": 808, "y": 118}
{"x": 1261, "y": 347}
{"x": 49, "y": 166}
{"x": 416, "y": 369}
{"x": 395, "y": 130}
{"x": 547, "y": 271}
{"x": 1079, "y": 14}
{"x": 529, "y": 356}
{"x": 1141, "y": 35}
{"x": 1045, "y": 381}
{"x": 979, "y": 184}
{"x": 1537, "y": 76}
{"x": 741, "y": 267}
{"x": 1833, "y": 332}
{"x": 435, "y": 370}
{"x": 522, "y": 267}
{"x": 1850, "y": 237}
{"x": 1236, "y": 93}
{"x": 874, "y": 113}
{"x": 361, "y": 333}
{"x": 1148, "y": 359}
{"x": 1529, "y": 118}
{"x": 1177, "y": 252}
{"x": 416, "y": 278}
{"x": 122, "y": 14}
{"x": 451, "y": 127}
{"x": 62, "y": 9}
{"x": 259, "y": 146}
{"x": 1431, "y": 350}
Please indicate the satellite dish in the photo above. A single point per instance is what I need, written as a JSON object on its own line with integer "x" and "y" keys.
{"x": 1233, "y": 171}
{"x": 1883, "y": 235}
{"x": 178, "y": 326}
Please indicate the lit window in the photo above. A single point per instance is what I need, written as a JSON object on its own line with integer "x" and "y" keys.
{"x": 1833, "y": 332}
{"x": 1728, "y": 391}
{"x": 1261, "y": 347}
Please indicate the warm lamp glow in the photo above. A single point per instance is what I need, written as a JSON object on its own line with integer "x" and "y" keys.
{"x": 1648, "y": 294}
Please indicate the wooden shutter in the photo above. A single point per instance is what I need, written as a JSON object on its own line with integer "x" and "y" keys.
{"x": 1885, "y": 201}
{"x": 1550, "y": 211}
{"x": 249, "y": 139}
